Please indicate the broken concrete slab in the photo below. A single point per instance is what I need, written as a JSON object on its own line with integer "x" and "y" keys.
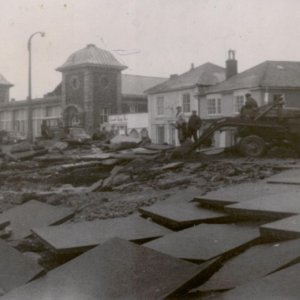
{"x": 282, "y": 285}
{"x": 15, "y": 268}
{"x": 79, "y": 237}
{"x": 254, "y": 263}
{"x": 205, "y": 241}
{"x": 33, "y": 214}
{"x": 241, "y": 193}
{"x": 117, "y": 269}
{"x": 287, "y": 177}
{"x": 270, "y": 207}
{"x": 181, "y": 215}
{"x": 288, "y": 228}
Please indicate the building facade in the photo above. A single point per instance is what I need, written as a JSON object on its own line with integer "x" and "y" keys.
{"x": 92, "y": 89}
{"x": 179, "y": 90}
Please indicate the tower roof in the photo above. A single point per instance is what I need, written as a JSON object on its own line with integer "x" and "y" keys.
{"x": 3, "y": 81}
{"x": 91, "y": 56}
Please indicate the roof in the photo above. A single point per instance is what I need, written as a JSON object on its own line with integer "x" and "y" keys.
{"x": 3, "y": 81}
{"x": 206, "y": 74}
{"x": 137, "y": 84}
{"x": 134, "y": 85}
{"x": 269, "y": 74}
{"x": 91, "y": 56}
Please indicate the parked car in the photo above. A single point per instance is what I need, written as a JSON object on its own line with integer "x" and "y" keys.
{"x": 77, "y": 135}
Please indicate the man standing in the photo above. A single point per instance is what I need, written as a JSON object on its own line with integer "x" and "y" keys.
{"x": 181, "y": 125}
{"x": 249, "y": 110}
{"x": 194, "y": 125}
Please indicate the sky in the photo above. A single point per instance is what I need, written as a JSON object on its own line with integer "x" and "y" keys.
{"x": 151, "y": 37}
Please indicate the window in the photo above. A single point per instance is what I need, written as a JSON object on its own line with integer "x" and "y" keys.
{"x": 239, "y": 103}
{"x": 160, "y": 105}
{"x": 186, "y": 103}
{"x": 104, "y": 113}
{"x": 74, "y": 82}
{"x": 214, "y": 106}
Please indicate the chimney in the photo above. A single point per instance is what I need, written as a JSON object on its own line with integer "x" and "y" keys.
{"x": 192, "y": 66}
{"x": 231, "y": 64}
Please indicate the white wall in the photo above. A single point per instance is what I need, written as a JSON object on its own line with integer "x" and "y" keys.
{"x": 171, "y": 101}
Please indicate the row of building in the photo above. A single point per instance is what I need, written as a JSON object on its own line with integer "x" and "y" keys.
{"x": 94, "y": 93}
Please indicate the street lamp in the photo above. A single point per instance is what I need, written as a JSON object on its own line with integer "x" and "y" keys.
{"x": 30, "y": 133}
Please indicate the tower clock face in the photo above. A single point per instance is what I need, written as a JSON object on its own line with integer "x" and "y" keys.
{"x": 74, "y": 81}
{"x": 104, "y": 82}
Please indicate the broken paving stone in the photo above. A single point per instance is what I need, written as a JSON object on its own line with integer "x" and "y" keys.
{"x": 252, "y": 264}
{"x": 33, "y": 214}
{"x": 78, "y": 237}
{"x": 206, "y": 241}
{"x": 15, "y": 268}
{"x": 288, "y": 228}
{"x": 281, "y": 285}
{"x": 178, "y": 215}
{"x": 240, "y": 193}
{"x": 269, "y": 207}
{"x": 115, "y": 270}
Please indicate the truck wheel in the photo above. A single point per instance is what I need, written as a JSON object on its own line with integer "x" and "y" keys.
{"x": 252, "y": 145}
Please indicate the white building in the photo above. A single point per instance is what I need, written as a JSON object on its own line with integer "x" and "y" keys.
{"x": 179, "y": 90}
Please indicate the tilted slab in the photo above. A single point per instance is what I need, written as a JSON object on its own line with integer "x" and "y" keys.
{"x": 181, "y": 215}
{"x": 290, "y": 177}
{"x": 33, "y": 214}
{"x": 117, "y": 269}
{"x": 205, "y": 241}
{"x": 241, "y": 193}
{"x": 282, "y": 285}
{"x": 78, "y": 237}
{"x": 15, "y": 268}
{"x": 269, "y": 207}
{"x": 254, "y": 263}
{"x": 288, "y": 228}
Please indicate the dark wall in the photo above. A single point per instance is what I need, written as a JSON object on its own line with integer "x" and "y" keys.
{"x": 104, "y": 92}
{"x": 75, "y": 88}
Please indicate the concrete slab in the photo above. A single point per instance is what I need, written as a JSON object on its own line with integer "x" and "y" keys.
{"x": 79, "y": 237}
{"x": 288, "y": 228}
{"x": 282, "y": 285}
{"x": 290, "y": 177}
{"x": 205, "y": 241}
{"x": 254, "y": 263}
{"x": 15, "y": 268}
{"x": 241, "y": 193}
{"x": 270, "y": 207}
{"x": 33, "y": 214}
{"x": 115, "y": 270}
{"x": 181, "y": 214}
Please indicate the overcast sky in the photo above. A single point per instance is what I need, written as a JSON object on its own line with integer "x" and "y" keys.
{"x": 159, "y": 37}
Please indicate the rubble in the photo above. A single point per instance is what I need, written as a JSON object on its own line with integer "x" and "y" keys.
{"x": 97, "y": 185}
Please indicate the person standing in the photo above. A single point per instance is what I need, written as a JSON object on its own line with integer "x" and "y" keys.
{"x": 181, "y": 125}
{"x": 194, "y": 125}
{"x": 249, "y": 110}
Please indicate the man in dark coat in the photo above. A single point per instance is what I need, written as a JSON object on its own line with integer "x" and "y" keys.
{"x": 249, "y": 110}
{"x": 194, "y": 125}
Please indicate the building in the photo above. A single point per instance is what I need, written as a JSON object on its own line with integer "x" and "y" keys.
{"x": 179, "y": 90}
{"x": 92, "y": 89}
{"x": 265, "y": 82}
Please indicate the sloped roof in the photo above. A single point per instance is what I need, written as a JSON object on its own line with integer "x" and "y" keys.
{"x": 137, "y": 84}
{"x": 91, "y": 56}
{"x": 131, "y": 85}
{"x": 281, "y": 74}
{"x": 3, "y": 81}
{"x": 206, "y": 74}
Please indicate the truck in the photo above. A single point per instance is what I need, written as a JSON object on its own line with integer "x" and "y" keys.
{"x": 273, "y": 126}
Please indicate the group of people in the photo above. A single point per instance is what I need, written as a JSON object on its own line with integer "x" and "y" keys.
{"x": 187, "y": 129}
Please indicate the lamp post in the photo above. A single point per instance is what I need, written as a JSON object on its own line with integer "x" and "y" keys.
{"x": 30, "y": 133}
